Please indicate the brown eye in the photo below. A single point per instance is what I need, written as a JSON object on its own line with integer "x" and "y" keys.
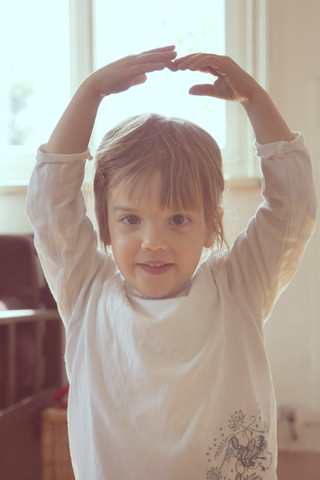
{"x": 179, "y": 220}
{"x": 130, "y": 220}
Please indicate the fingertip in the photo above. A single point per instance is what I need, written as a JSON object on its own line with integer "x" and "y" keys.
{"x": 171, "y": 66}
{"x": 193, "y": 91}
{"x": 204, "y": 90}
{"x": 170, "y": 47}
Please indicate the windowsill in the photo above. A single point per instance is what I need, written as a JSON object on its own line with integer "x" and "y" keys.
{"x": 20, "y": 188}
{"x": 244, "y": 183}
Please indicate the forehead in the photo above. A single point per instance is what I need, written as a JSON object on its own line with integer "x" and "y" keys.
{"x": 150, "y": 193}
{"x": 141, "y": 191}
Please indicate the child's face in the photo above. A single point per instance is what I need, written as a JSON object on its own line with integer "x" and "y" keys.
{"x": 156, "y": 249}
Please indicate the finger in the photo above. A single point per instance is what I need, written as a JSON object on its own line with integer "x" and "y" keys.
{"x": 161, "y": 49}
{"x": 220, "y": 89}
{"x": 185, "y": 58}
{"x": 209, "y": 57}
{"x": 184, "y": 62}
{"x": 139, "y": 79}
{"x": 205, "y": 89}
{"x": 171, "y": 66}
{"x": 142, "y": 68}
{"x": 204, "y": 63}
{"x": 166, "y": 56}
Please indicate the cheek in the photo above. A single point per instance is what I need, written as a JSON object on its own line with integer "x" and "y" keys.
{"x": 123, "y": 249}
{"x": 190, "y": 249}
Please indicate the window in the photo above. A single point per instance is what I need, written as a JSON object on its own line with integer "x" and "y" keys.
{"x": 35, "y": 80}
{"x": 220, "y": 26}
{"x": 144, "y": 25}
{"x": 54, "y": 45}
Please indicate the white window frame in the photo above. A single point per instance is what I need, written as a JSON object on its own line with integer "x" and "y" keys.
{"x": 246, "y": 28}
{"x": 246, "y": 41}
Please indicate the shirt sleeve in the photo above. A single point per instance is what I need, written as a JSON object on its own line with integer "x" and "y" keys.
{"x": 263, "y": 259}
{"x": 64, "y": 236}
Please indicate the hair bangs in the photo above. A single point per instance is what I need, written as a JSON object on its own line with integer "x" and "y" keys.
{"x": 186, "y": 156}
{"x": 180, "y": 187}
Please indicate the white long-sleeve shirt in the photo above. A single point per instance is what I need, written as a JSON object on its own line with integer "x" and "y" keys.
{"x": 179, "y": 388}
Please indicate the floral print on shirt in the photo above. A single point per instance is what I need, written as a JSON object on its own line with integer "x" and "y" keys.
{"x": 240, "y": 452}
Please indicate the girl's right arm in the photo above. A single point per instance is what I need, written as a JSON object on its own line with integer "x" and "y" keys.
{"x": 64, "y": 236}
{"x": 73, "y": 131}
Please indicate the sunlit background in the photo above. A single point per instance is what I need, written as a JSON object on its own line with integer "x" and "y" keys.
{"x": 35, "y": 64}
{"x": 146, "y": 25}
{"x": 35, "y": 72}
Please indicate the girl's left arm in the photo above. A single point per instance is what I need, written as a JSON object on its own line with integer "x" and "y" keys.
{"x": 233, "y": 83}
{"x": 263, "y": 259}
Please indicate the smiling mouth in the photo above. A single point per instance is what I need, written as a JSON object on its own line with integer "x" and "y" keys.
{"x": 155, "y": 268}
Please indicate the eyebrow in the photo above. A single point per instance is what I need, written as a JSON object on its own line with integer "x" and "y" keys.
{"x": 126, "y": 208}
{"x": 130, "y": 209}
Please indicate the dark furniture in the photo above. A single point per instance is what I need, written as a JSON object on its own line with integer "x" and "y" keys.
{"x": 31, "y": 357}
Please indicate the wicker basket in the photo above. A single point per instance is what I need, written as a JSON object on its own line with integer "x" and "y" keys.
{"x": 56, "y": 462}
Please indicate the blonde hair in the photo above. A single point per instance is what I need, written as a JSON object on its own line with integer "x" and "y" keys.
{"x": 187, "y": 157}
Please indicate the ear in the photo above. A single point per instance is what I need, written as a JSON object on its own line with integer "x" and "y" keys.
{"x": 211, "y": 234}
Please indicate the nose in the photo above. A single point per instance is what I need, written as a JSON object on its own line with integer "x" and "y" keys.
{"x": 154, "y": 239}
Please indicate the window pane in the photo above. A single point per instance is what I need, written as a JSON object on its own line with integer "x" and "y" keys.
{"x": 132, "y": 27}
{"x": 34, "y": 68}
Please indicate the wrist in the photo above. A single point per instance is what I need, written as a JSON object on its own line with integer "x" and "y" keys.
{"x": 259, "y": 99}
{"x": 267, "y": 123}
{"x": 89, "y": 92}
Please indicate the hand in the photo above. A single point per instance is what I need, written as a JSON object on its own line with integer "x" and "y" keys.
{"x": 129, "y": 71}
{"x": 233, "y": 83}
{"x": 73, "y": 131}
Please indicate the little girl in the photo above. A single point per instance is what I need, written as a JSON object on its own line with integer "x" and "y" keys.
{"x": 169, "y": 378}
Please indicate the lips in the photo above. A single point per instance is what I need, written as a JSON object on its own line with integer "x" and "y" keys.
{"x": 155, "y": 268}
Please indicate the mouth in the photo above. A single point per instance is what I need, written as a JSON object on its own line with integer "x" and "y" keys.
{"x": 155, "y": 268}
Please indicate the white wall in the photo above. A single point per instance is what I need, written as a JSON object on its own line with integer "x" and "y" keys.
{"x": 293, "y": 331}
{"x": 293, "y": 334}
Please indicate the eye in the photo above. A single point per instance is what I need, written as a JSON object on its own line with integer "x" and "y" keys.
{"x": 130, "y": 220}
{"x": 179, "y": 220}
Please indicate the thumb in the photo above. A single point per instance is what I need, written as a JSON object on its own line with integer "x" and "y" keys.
{"x": 220, "y": 89}
{"x": 139, "y": 79}
{"x": 204, "y": 89}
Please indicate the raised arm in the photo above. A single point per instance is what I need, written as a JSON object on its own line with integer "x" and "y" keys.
{"x": 233, "y": 83}
{"x": 73, "y": 131}
{"x": 263, "y": 259}
{"x": 64, "y": 235}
